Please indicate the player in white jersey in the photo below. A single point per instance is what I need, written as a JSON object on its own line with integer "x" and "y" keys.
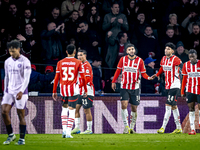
{"x": 17, "y": 76}
{"x": 86, "y": 102}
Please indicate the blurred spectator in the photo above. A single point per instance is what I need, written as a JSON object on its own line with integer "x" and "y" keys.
{"x": 115, "y": 21}
{"x": 190, "y": 19}
{"x": 131, "y": 11}
{"x": 68, "y": 6}
{"x": 27, "y": 19}
{"x": 169, "y": 37}
{"x": 71, "y": 25}
{"x": 116, "y": 49}
{"x": 95, "y": 3}
{"x": 50, "y": 74}
{"x": 147, "y": 86}
{"x": 81, "y": 11}
{"x": 52, "y": 41}
{"x": 30, "y": 44}
{"x": 11, "y": 21}
{"x": 38, "y": 80}
{"x": 97, "y": 74}
{"x": 107, "y": 5}
{"x": 53, "y": 17}
{"x": 148, "y": 43}
{"x": 94, "y": 19}
{"x": 181, "y": 52}
{"x": 194, "y": 38}
{"x": 88, "y": 40}
{"x": 36, "y": 8}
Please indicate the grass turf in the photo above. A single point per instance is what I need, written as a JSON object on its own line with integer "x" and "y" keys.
{"x": 106, "y": 141}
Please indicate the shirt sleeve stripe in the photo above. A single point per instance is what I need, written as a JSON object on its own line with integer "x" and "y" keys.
{"x": 119, "y": 68}
{"x": 143, "y": 72}
{"x": 184, "y": 74}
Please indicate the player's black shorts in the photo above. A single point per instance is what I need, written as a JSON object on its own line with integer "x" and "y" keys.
{"x": 191, "y": 97}
{"x": 132, "y": 95}
{"x": 71, "y": 101}
{"x": 87, "y": 102}
{"x": 172, "y": 96}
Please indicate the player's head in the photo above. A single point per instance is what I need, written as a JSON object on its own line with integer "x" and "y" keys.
{"x": 71, "y": 49}
{"x": 130, "y": 50}
{"x": 81, "y": 55}
{"x": 14, "y": 48}
{"x": 169, "y": 49}
{"x": 193, "y": 55}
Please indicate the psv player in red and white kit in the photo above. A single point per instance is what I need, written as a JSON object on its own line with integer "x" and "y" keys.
{"x": 170, "y": 66}
{"x": 67, "y": 72}
{"x": 132, "y": 68}
{"x": 86, "y": 102}
{"x": 191, "y": 81}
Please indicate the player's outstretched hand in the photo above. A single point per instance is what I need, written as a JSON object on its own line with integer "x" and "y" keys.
{"x": 19, "y": 96}
{"x": 113, "y": 86}
{"x": 153, "y": 76}
{"x": 150, "y": 78}
{"x": 54, "y": 95}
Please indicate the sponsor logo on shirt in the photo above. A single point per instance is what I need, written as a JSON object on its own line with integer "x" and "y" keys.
{"x": 167, "y": 68}
{"x": 130, "y": 69}
{"x": 194, "y": 74}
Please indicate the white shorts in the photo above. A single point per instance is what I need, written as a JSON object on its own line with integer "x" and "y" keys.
{"x": 11, "y": 100}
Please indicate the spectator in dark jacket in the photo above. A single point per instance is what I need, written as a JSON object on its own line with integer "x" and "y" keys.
{"x": 52, "y": 43}
{"x": 37, "y": 80}
{"x": 181, "y": 52}
{"x": 88, "y": 40}
{"x": 97, "y": 74}
{"x": 148, "y": 85}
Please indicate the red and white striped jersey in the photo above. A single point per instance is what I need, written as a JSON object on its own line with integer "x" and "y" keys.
{"x": 88, "y": 73}
{"x": 131, "y": 72}
{"x": 67, "y": 71}
{"x": 170, "y": 67}
{"x": 193, "y": 79}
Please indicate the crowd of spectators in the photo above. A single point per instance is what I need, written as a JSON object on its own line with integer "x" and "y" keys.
{"x": 102, "y": 28}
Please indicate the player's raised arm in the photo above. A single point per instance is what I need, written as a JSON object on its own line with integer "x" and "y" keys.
{"x": 56, "y": 79}
{"x": 27, "y": 74}
{"x": 117, "y": 73}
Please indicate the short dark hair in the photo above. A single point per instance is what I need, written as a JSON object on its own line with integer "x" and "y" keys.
{"x": 192, "y": 51}
{"x": 82, "y": 51}
{"x": 131, "y": 45}
{"x": 14, "y": 44}
{"x": 70, "y": 48}
{"x": 83, "y": 21}
{"x": 169, "y": 27}
{"x": 194, "y": 24}
{"x": 56, "y": 8}
{"x": 115, "y": 2}
{"x": 148, "y": 26}
{"x": 120, "y": 35}
{"x": 171, "y": 45}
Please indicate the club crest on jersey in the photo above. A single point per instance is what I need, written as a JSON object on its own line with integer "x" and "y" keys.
{"x": 87, "y": 71}
{"x": 19, "y": 65}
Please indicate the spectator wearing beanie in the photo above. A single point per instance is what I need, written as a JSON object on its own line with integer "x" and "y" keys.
{"x": 181, "y": 52}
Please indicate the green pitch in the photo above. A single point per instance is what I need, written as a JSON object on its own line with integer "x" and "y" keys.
{"x": 106, "y": 141}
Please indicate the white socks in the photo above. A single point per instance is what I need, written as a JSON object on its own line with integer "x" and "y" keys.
{"x": 192, "y": 118}
{"x": 70, "y": 121}
{"x": 64, "y": 114}
{"x": 133, "y": 119}
{"x": 89, "y": 125}
{"x": 124, "y": 113}
{"x": 77, "y": 123}
{"x": 177, "y": 118}
{"x": 166, "y": 117}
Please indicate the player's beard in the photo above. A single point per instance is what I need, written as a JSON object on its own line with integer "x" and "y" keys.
{"x": 131, "y": 55}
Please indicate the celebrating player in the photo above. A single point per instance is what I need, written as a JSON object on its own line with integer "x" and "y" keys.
{"x": 132, "y": 67}
{"x": 17, "y": 75}
{"x": 87, "y": 102}
{"x": 67, "y": 72}
{"x": 170, "y": 66}
{"x": 191, "y": 80}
